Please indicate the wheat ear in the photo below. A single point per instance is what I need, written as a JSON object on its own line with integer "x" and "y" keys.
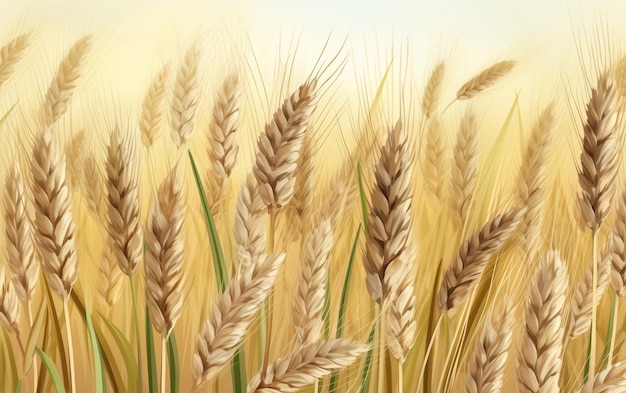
{"x": 110, "y": 283}
{"x": 20, "y": 251}
{"x": 185, "y": 97}
{"x": 434, "y": 167}
{"x": 401, "y": 327}
{"x": 484, "y": 79}
{"x": 223, "y": 147}
{"x": 473, "y": 256}
{"x": 152, "y": 108}
{"x": 308, "y": 303}
{"x": 609, "y": 380}
{"x": 304, "y": 367}
{"x": 303, "y": 193}
{"x": 432, "y": 90}
{"x": 65, "y": 82}
{"x": 11, "y": 53}
{"x": 617, "y": 239}
{"x": 92, "y": 186}
{"x": 279, "y": 147}
{"x": 77, "y": 149}
{"x": 249, "y": 225}
{"x": 9, "y": 305}
{"x": 485, "y": 372}
{"x": 231, "y": 316}
{"x": 465, "y": 168}
{"x": 539, "y": 358}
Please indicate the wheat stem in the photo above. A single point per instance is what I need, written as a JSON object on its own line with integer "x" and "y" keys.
{"x": 163, "y": 362}
{"x": 427, "y": 354}
{"x": 133, "y": 291}
{"x": 592, "y": 355}
{"x": 30, "y": 323}
{"x": 381, "y": 350}
{"x": 400, "y": 378}
{"x": 269, "y": 303}
{"x": 613, "y": 329}
{"x": 70, "y": 346}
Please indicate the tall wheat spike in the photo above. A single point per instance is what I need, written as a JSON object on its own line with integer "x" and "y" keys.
{"x": 54, "y": 227}
{"x": 401, "y": 328}
{"x": 152, "y": 108}
{"x": 77, "y": 149}
{"x": 185, "y": 97}
{"x": 11, "y": 54}
{"x": 304, "y": 189}
{"x": 164, "y": 255}
{"x": 484, "y": 79}
{"x": 65, "y": 82}
{"x": 539, "y": 357}
{"x": 123, "y": 202}
{"x": 20, "y": 251}
{"x": 279, "y": 147}
{"x": 9, "y": 305}
{"x": 609, "y": 380}
{"x": 432, "y": 90}
{"x": 305, "y": 366}
{"x": 467, "y": 267}
{"x": 465, "y": 168}
{"x": 223, "y": 146}
{"x": 231, "y": 315}
{"x": 249, "y": 225}
{"x": 434, "y": 167}
{"x": 92, "y": 186}
{"x": 110, "y": 281}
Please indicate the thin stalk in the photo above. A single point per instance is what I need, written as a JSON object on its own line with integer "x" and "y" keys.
{"x": 30, "y": 323}
{"x": 133, "y": 292}
{"x": 269, "y": 303}
{"x": 427, "y": 354}
{"x": 381, "y": 351}
{"x": 614, "y": 313}
{"x": 592, "y": 349}
{"x": 70, "y": 346}
{"x": 163, "y": 363}
{"x": 400, "y": 382}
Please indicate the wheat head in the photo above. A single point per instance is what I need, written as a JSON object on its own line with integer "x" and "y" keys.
{"x": 432, "y": 90}
{"x": 10, "y": 55}
{"x": 110, "y": 282}
{"x": 249, "y": 225}
{"x": 152, "y": 108}
{"x": 92, "y": 185}
{"x": 185, "y": 97}
{"x": 465, "y": 168}
{"x": 484, "y": 79}
{"x": 400, "y": 325}
{"x": 434, "y": 167}
{"x": 609, "y": 380}
{"x": 617, "y": 238}
{"x": 9, "y": 305}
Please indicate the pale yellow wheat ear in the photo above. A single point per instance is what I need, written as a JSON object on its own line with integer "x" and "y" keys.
{"x": 77, "y": 149}
{"x": 389, "y": 248}
{"x": 465, "y": 168}
{"x": 582, "y": 303}
{"x": 92, "y": 186}
{"x": 164, "y": 255}
{"x": 307, "y": 365}
{"x": 304, "y": 192}
{"x": 185, "y": 97}
{"x": 539, "y": 356}
{"x": 531, "y": 190}
{"x": 122, "y": 184}
{"x": 485, "y": 371}
{"x": 152, "y": 108}
{"x": 54, "y": 227}
{"x": 65, "y": 82}
{"x": 308, "y": 302}
{"x": 432, "y": 90}
{"x": 484, "y": 79}
{"x": 20, "y": 251}
{"x": 465, "y": 270}
{"x": 434, "y": 167}
{"x": 10, "y": 55}
{"x": 223, "y": 146}
{"x": 110, "y": 280}
{"x": 9, "y": 305}
{"x": 609, "y": 380}
{"x": 231, "y": 315}
{"x": 279, "y": 147}
{"x": 599, "y": 157}
{"x": 401, "y": 328}
{"x": 249, "y": 225}
{"x": 617, "y": 240}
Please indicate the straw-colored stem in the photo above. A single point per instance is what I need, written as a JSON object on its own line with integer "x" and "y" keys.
{"x": 133, "y": 292}
{"x": 400, "y": 378}
{"x": 381, "y": 351}
{"x": 269, "y": 303}
{"x": 594, "y": 257}
{"x": 30, "y": 323}
{"x": 427, "y": 354}
{"x": 163, "y": 363}
{"x": 613, "y": 329}
{"x": 70, "y": 346}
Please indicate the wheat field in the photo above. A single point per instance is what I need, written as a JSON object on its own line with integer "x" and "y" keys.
{"x": 295, "y": 226}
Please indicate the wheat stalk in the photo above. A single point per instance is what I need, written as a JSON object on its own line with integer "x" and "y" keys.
{"x": 223, "y": 146}
{"x": 465, "y": 168}
{"x": 279, "y": 147}
{"x": 231, "y": 316}
{"x": 185, "y": 97}
{"x": 123, "y": 203}
{"x": 65, "y": 82}
{"x": 432, "y": 90}
{"x": 539, "y": 358}
{"x": 308, "y": 303}
{"x": 485, "y": 372}
{"x": 20, "y": 251}
{"x": 609, "y": 380}
{"x": 473, "y": 256}
{"x": 434, "y": 167}
{"x": 11, "y": 53}
{"x": 484, "y": 79}
{"x": 304, "y": 367}
{"x": 249, "y": 225}
{"x": 152, "y": 108}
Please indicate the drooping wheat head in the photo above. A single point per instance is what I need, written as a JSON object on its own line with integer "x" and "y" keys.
{"x": 484, "y": 79}
{"x": 11, "y": 54}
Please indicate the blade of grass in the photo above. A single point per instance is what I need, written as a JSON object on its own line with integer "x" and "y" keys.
{"x": 173, "y": 361}
{"x": 127, "y": 352}
{"x": 366, "y": 375}
{"x": 18, "y": 388}
{"x": 58, "y": 335}
{"x": 153, "y": 384}
{"x": 609, "y": 341}
{"x": 587, "y": 366}
{"x": 33, "y": 335}
{"x": 52, "y": 371}
{"x": 42, "y": 376}
{"x": 101, "y": 384}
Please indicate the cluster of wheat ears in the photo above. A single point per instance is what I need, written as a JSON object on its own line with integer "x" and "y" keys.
{"x": 416, "y": 342}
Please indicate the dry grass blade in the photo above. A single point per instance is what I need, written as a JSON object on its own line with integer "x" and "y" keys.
{"x": 473, "y": 255}
{"x": 308, "y": 303}
{"x": 465, "y": 169}
{"x": 65, "y": 81}
{"x": 223, "y": 146}
{"x": 581, "y": 313}
{"x": 20, "y": 251}
{"x": 434, "y": 168}
{"x": 599, "y": 158}
{"x": 54, "y": 227}
{"x": 231, "y": 316}
{"x": 9, "y": 305}
{"x": 152, "y": 109}
{"x": 485, "y": 372}
{"x": 123, "y": 203}
{"x": 484, "y": 79}
{"x": 617, "y": 239}
{"x": 11, "y": 53}
{"x": 110, "y": 282}
{"x": 401, "y": 328}
{"x": 432, "y": 90}
{"x": 389, "y": 249}
{"x": 610, "y": 380}
{"x": 279, "y": 147}
{"x": 249, "y": 226}
{"x": 304, "y": 367}
{"x": 539, "y": 358}
{"x": 164, "y": 255}
{"x": 185, "y": 97}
